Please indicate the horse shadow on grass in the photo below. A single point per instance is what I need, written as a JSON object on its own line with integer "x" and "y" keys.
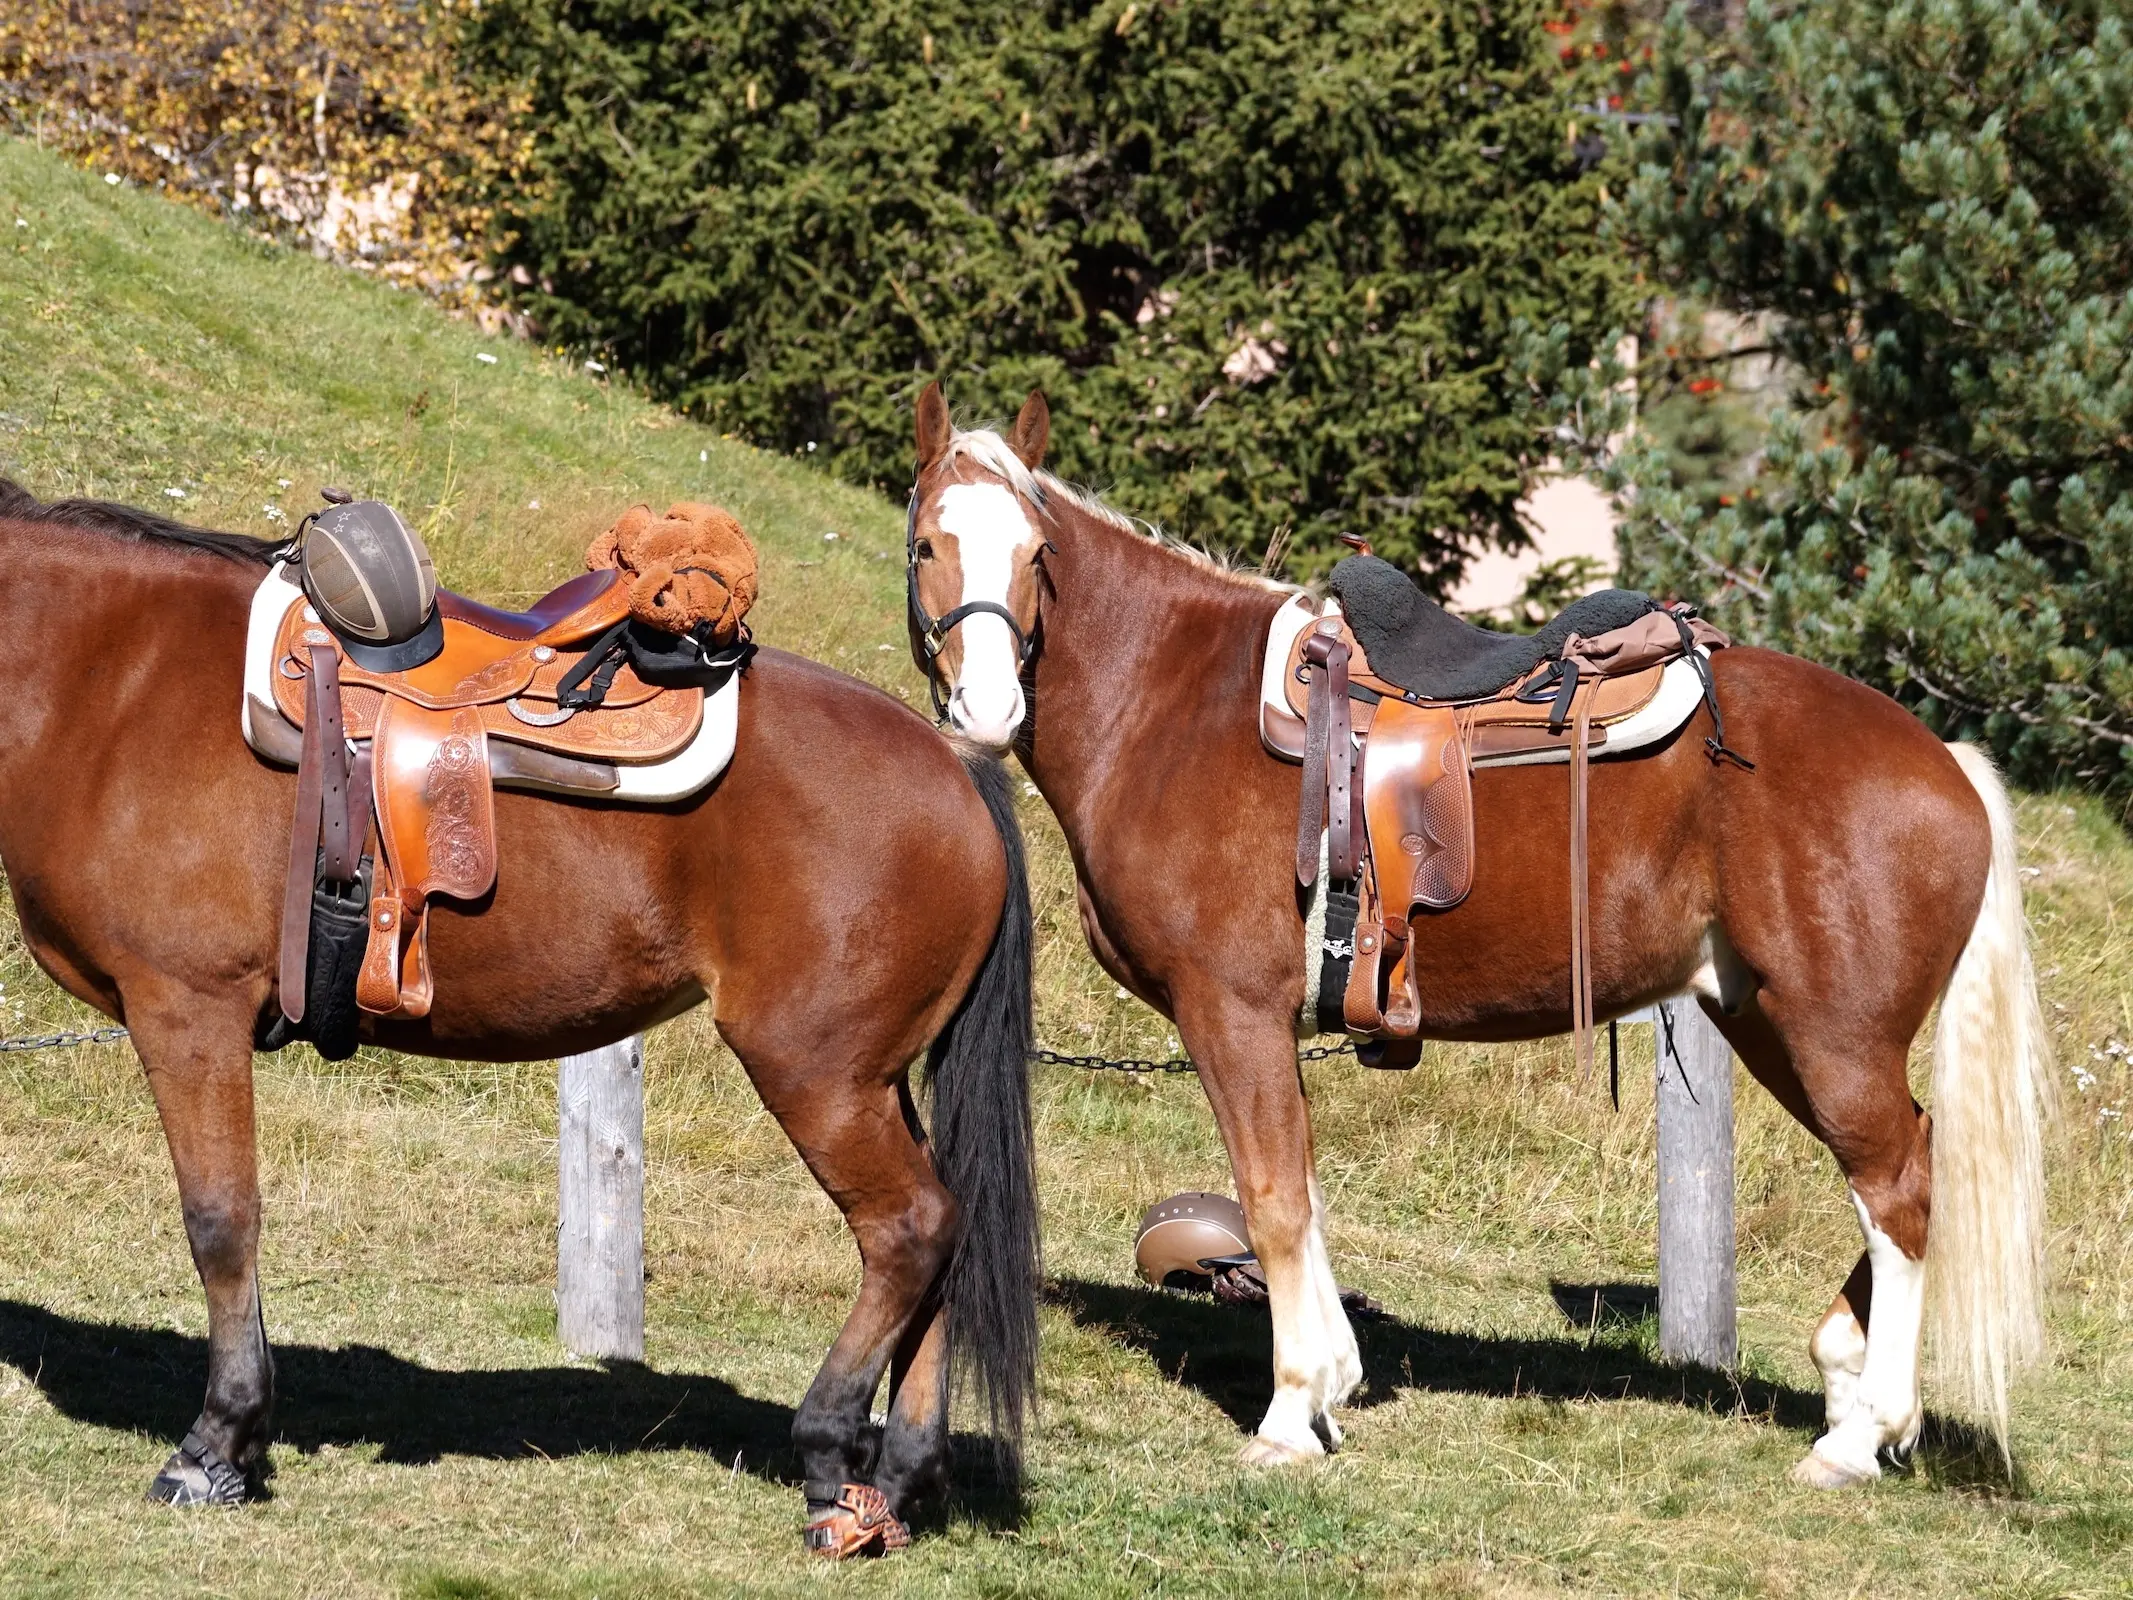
{"x": 1226, "y": 1353}
{"x": 148, "y": 1380}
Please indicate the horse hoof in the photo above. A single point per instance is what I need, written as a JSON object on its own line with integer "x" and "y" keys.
{"x": 186, "y": 1480}
{"x": 1260, "y": 1451}
{"x": 1817, "y": 1471}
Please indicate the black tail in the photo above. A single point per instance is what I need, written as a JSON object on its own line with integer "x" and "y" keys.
{"x": 978, "y": 1075}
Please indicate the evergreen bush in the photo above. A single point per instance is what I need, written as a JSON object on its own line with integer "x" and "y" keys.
{"x": 1266, "y": 259}
{"x": 1933, "y": 203}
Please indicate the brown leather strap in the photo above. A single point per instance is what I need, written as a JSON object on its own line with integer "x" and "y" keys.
{"x": 339, "y": 843}
{"x": 378, "y": 980}
{"x": 1581, "y": 1020}
{"x": 1329, "y": 762}
{"x": 1359, "y": 1006}
{"x": 1344, "y": 798}
{"x": 321, "y": 809}
{"x": 1311, "y": 806}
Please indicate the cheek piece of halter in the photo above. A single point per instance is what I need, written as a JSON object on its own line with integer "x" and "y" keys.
{"x": 932, "y": 632}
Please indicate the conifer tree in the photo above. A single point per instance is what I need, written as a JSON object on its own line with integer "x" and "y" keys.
{"x": 1932, "y": 202}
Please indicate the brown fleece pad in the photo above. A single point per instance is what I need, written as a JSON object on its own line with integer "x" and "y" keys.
{"x": 692, "y": 567}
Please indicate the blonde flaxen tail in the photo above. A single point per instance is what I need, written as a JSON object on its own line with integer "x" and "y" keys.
{"x": 1985, "y": 1242}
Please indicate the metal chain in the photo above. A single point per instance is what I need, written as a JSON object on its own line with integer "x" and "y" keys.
{"x": 1130, "y": 1064}
{"x": 1136, "y": 1064}
{"x": 59, "y": 1041}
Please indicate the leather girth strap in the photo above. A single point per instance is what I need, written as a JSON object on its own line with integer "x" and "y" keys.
{"x": 1331, "y": 803}
{"x": 326, "y": 834}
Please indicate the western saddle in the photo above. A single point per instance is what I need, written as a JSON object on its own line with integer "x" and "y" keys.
{"x": 1397, "y": 702}
{"x": 395, "y": 768}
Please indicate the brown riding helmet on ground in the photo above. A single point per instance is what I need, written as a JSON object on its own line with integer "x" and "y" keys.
{"x": 1178, "y": 1235}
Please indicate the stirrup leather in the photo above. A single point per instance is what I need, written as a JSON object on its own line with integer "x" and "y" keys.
{"x": 858, "y": 1519}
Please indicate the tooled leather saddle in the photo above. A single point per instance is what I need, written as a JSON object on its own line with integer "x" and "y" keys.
{"x": 396, "y": 768}
{"x": 1390, "y": 703}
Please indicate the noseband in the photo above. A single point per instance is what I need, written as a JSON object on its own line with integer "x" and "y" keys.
{"x": 932, "y": 632}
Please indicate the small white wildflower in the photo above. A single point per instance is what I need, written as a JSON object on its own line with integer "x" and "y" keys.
{"x": 113, "y": 179}
{"x": 880, "y": 647}
{"x": 810, "y": 447}
{"x": 831, "y": 536}
{"x": 594, "y": 366}
{"x": 533, "y": 505}
{"x": 175, "y": 494}
{"x": 485, "y": 358}
{"x": 1030, "y": 789}
{"x": 22, "y": 222}
{"x": 275, "y": 513}
{"x": 703, "y": 455}
{"x": 282, "y": 482}
{"x": 1123, "y": 995}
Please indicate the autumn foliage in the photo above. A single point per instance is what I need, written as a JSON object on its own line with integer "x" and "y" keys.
{"x": 342, "y": 125}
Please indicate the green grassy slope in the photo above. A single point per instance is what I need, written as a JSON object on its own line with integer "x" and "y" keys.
{"x": 434, "y": 1440}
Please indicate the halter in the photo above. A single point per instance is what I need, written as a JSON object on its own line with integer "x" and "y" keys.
{"x": 932, "y": 632}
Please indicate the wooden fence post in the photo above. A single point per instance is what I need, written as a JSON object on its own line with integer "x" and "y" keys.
{"x": 1696, "y": 1285}
{"x": 600, "y": 1202}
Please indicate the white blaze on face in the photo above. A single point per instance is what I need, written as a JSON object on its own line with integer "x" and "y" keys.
{"x": 991, "y": 536}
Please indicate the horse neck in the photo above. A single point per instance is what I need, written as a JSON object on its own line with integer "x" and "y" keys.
{"x": 86, "y": 617}
{"x": 1149, "y": 659}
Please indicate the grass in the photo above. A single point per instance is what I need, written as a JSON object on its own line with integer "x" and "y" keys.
{"x": 434, "y": 1440}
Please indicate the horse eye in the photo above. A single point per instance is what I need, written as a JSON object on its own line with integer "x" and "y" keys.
{"x": 925, "y": 549}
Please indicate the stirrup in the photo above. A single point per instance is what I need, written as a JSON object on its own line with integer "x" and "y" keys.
{"x": 857, "y": 1519}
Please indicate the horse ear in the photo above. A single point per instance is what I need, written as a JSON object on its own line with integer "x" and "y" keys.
{"x": 934, "y": 428}
{"x": 1033, "y": 430}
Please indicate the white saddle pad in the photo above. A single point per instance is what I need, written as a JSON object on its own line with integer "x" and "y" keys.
{"x": 1680, "y": 693}
{"x": 648, "y": 783}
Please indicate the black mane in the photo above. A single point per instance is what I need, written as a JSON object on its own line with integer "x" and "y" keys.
{"x": 125, "y": 522}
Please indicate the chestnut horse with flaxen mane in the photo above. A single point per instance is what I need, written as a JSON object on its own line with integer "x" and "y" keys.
{"x": 1817, "y": 906}
{"x": 847, "y": 896}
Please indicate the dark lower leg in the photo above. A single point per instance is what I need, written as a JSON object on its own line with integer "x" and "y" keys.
{"x": 905, "y": 1225}
{"x": 914, "y": 1452}
{"x": 202, "y": 1081}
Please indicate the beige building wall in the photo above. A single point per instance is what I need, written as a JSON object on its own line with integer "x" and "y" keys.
{"x": 1570, "y": 517}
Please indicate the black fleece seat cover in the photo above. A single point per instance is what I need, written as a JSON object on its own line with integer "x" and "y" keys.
{"x": 1417, "y": 644}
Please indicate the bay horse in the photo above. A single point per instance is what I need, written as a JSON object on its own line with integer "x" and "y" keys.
{"x": 848, "y": 896}
{"x": 1816, "y": 906}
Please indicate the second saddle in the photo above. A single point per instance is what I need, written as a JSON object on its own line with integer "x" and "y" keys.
{"x": 1391, "y": 703}
{"x": 403, "y": 706}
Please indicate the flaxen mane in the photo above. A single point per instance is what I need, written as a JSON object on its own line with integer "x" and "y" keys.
{"x": 984, "y": 448}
